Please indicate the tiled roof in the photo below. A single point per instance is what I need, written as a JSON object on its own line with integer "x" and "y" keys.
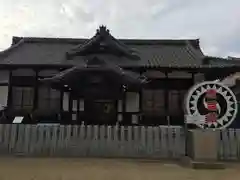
{"x": 234, "y": 58}
{"x": 152, "y": 53}
{"x": 217, "y": 61}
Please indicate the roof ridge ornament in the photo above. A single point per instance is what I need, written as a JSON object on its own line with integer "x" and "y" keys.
{"x": 103, "y": 42}
{"x": 102, "y": 30}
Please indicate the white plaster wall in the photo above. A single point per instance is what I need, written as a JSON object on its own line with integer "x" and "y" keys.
{"x": 119, "y": 117}
{"x": 74, "y": 105}
{"x": 3, "y": 96}
{"x": 65, "y": 101}
{"x": 81, "y": 106}
{"x": 132, "y": 102}
{"x": 4, "y": 78}
{"x": 135, "y": 119}
{"x": 119, "y": 105}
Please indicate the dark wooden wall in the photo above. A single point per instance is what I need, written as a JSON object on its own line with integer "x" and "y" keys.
{"x": 166, "y": 83}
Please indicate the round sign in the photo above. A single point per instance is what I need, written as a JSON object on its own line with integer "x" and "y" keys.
{"x": 211, "y": 105}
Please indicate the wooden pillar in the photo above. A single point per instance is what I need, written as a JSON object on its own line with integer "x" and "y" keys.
{"x": 61, "y": 104}
{"x": 193, "y": 78}
{"x": 166, "y": 97}
{"x": 140, "y": 101}
{"x": 78, "y": 111}
{"x": 124, "y": 107}
{"x": 36, "y": 85}
{"x": 116, "y": 108}
{"x": 9, "y": 101}
{"x": 70, "y": 106}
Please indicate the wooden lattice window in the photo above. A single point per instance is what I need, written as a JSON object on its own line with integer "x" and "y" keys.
{"x": 22, "y": 98}
{"x": 48, "y": 99}
{"x": 153, "y": 102}
{"x": 176, "y": 102}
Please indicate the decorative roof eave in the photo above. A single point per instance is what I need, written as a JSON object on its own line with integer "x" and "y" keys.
{"x": 103, "y": 33}
{"x": 65, "y": 76}
{"x": 140, "y": 68}
{"x": 195, "y": 43}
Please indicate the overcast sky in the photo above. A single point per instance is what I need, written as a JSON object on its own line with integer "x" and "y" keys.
{"x": 215, "y": 22}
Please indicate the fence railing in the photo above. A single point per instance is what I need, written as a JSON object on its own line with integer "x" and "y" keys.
{"x": 229, "y": 144}
{"x": 106, "y": 141}
{"x": 94, "y": 141}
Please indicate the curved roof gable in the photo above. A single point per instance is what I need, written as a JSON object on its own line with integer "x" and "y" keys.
{"x": 103, "y": 41}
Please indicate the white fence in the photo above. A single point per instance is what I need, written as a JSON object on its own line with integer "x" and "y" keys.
{"x": 106, "y": 141}
{"x": 229, "y": 144}
{"x": 94, "y": 141}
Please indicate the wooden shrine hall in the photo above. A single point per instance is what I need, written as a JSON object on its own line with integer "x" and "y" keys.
{"x": 103, "y": 80}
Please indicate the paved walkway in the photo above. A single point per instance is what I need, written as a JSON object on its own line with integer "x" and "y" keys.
{"x": 105, "y": 169}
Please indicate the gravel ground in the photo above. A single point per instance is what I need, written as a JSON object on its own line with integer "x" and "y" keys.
{"x": 105, "y": 169}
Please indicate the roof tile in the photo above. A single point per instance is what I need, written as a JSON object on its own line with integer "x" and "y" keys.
{"x": 152, "y": 53}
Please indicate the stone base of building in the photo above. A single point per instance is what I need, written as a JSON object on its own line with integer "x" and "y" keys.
{"x": 202, "y": 150}
{"x": 202, "y": 144}
{"x": 190, "y": 163}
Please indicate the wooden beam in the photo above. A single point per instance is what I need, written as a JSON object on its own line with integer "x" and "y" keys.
{"x": 61, "y": 104}
{"x": 70, "y": 106}
{"x": 140, "y": 100}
